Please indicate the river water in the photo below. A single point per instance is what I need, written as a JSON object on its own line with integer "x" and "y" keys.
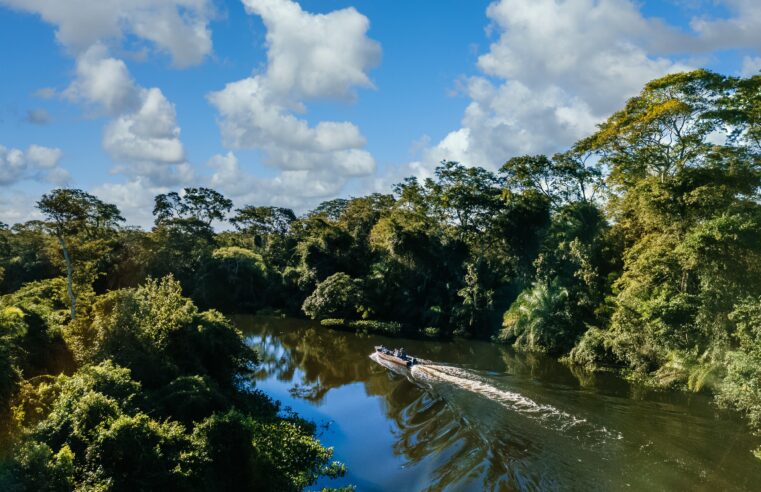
{"x": 482, "y": 417}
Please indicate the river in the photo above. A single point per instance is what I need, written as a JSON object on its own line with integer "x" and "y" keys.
{"x": 482, "y": 417}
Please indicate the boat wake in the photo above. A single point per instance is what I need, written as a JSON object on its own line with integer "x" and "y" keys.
{"x": 546, "y": 415}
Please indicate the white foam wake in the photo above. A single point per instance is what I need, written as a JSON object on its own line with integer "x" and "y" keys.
{"x": 547, "y": 415}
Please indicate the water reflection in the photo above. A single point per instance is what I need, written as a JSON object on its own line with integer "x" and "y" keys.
{"x": 491, "y": 419}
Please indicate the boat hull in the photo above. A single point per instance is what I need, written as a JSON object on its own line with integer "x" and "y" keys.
{"x": 394, "y": 360}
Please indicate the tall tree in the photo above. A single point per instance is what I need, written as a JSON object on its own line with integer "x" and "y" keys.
{"x": 71, "y": 212}
{"x": 261, "y": 222}
{"x": 685, "y": 177}
{"x": 203, "y": 205}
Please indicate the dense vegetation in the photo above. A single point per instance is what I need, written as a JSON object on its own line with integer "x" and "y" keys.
{"x": 150, "y": 394}
{"x": 638, "y": 249}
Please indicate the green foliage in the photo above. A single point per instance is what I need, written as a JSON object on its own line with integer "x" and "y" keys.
{"x": 203, "y": 205}
{"x": 264, "y": 223}
{"x": 338, "y": 296}
{"x": 387, "y": 328}
{"x": 36, "y": 467}
{"x": 539, "y": 321}
{"x": 81, "y": 220}
{"x": 160, "y": 335}
{"x": 156, "y": 405}
{"x": 639, "y": 248}
{"x": 741, "y": 387}
{"x": 40, "y": 310}
{"x": 12, "y": 329}
{"x": 234, "y": 279}
{"x": 592, "y": 350}
{"x": 687, "y": 210}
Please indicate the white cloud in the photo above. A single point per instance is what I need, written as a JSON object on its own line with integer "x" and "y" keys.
{"x": 558, "y": 68}
{"x": 593, "y": 49}
{"x": 37, "y": 163}
{"x": 315, "y": 55}
{"x": 554, "y": 72}
{"x": 134, "y": 199}
{"x": 178, "y": 27}
{"x": 751, "y": 66}
{"x": 310, "y": 56}
{"x": 143, "y": 134}
{"x": 43, "y": 157}
{"x": 296, "y": 189}
{"x": 17, "y": 207}
{"x": 148, "y": 134}
{"x": 741, "y": 30}
{"x": 104, "y": 81}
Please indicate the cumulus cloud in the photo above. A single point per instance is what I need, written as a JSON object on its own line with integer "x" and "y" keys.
{"x": 134, "y": 199}
{"x": 315, "y": 55}
{"x": 296, "y": 189}
{"x": 310, "y": 56}
{"x": 741, "y": 30}
{"x": 148, "y": 134}
{"x": 36, "y": 163}
{"x": 178, "y": 27}
{"x": 557, "y": 68}
{"x": 103, "y": 81}
{"x": 143, "y": 134}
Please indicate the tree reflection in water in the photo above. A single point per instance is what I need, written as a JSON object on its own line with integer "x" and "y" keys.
{"x": 429, "y": 429}
{"x": 446, "y": 436}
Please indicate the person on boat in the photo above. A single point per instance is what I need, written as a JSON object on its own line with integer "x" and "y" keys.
{"x": 402, "y": 355}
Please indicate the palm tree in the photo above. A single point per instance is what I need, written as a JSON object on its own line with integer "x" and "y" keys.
{"x": 538, "y": 320}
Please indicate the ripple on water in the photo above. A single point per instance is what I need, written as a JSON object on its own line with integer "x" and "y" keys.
{"x": 547, "y": 415}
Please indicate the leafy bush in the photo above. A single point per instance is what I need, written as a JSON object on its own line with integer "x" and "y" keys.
{"x": 12, "y": 329}
{"x": 741, "y": 387}
{"x": 390, "y": 328}
{"x": 593, "y": 350}
{"x": 335, "y": 323}
{"x": 432, "y": 332}
{"x": 284, "y": 457}
{"x": 338, "y": 296}
{"x": 380, "y": 327}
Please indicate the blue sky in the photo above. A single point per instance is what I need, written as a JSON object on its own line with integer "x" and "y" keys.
{"x": 278, "y": 102}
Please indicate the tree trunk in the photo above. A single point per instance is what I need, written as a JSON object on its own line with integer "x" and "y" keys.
{"x": 69, "y": 279}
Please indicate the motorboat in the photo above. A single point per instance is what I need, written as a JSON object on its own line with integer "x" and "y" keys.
{"x": 396, "y": 356}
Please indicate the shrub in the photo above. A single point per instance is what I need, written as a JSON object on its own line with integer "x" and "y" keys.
{"x": 431, "y": 332}
{"x": 335, "y": 323}
{"x": 338, "y": 296}
{"x": 593, "y": 350}
{"x": 157, "y": 406}
{"x": 389, "y": 328}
